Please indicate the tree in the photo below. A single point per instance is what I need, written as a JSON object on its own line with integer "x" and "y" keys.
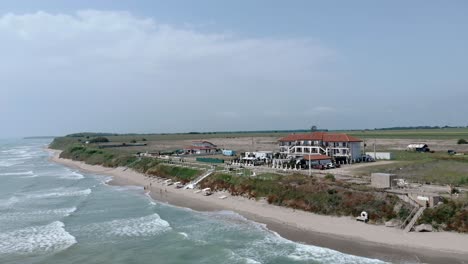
{"x": 313, "y": 128}
{"x": 462, "y": 141}
{"x": 99, "y": 140}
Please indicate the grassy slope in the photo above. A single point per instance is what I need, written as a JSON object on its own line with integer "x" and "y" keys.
{"x": 311, "y": 194}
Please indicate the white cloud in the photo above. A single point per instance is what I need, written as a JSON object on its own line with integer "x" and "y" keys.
{"x": 120, "y": 65}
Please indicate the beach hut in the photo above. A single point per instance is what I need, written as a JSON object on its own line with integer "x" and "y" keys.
{"x": 229, "y": 152}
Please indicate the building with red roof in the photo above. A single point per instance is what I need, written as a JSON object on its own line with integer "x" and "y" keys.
{"x": 337, "y": 146}
{"x": 201, "y": 147}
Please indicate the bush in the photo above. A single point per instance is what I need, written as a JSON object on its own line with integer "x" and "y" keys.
{"x": 330, "y": 177}
{"x": 462, "y": 141}
{"x": 99, "y": 140}
{"x": 133, "y": 141}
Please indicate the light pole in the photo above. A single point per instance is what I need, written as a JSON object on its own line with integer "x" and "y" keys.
{"x": 310, "y": 152}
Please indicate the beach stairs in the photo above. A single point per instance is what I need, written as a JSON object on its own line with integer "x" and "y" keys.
{"x": 137, "y": 160}
{"x": 415, "y": 218}
{"x": 194, "y": 183}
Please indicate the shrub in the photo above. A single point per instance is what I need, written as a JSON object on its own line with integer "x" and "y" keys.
{"x": 462, "y": 141}
{"x": 330, "y": 177}
{"x": 99, "y": 140}
{"x": 133, "y": 141}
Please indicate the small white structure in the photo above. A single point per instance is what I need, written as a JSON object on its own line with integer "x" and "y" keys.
{"x": 420, "y": 147}
{"x": 207, "y": 191}
{"x": 383, "y": 180}
{"x": 380, "y": 155}
{"x": 259, "y": 155}
{"x": 364, "y": 217}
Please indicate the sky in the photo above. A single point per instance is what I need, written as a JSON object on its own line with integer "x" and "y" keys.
{"x": 181, "y": 66}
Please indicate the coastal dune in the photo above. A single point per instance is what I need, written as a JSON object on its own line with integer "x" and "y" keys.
{"x": 339, "y": 233}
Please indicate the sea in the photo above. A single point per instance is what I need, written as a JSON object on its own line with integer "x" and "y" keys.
{"x": 53, "y": 214}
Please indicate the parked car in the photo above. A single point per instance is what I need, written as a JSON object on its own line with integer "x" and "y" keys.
{"x": 319, "y": 167}
{"x": 367, "y": 158}
{"x": 451, "y": 152}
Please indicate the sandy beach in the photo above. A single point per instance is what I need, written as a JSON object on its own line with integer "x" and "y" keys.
{"x": 340, "y": 233}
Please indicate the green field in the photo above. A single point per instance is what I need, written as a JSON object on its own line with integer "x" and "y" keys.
{"x": 437, "y": 168}
{"x": 443, "y": 133}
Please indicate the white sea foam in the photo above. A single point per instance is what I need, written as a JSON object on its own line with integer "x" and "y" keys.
{"x": 37, "y": 214}
{"x": 146, "y": 226}
{"x": 21, "y": 173}
{"x": 51, "y": 237}
{"x": 9, "y": 163}
{"x": 183, "y": 234}
{"x": 72, "y": 176}
{"x": 312, "y": 253}
{"x": 5, "y": 203}
{"x": 59, "y": 193}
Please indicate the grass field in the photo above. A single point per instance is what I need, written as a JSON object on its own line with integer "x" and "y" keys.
{"x": 443, "y": 133}
{"x": 438, "y": 168}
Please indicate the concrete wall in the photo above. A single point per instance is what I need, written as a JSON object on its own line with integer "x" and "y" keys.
{"x": 355, "y": 150}
{"x": 380, "y": 155}
{"x": 424, "y": 199}
{"x": 382, "y": 180}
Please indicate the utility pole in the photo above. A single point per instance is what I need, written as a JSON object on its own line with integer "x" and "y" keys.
{"x": 375, "y": 154}
{"x": 310, "y": 153}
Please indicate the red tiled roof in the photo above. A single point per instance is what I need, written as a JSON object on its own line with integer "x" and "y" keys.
{"x": 316, "y": 157}
{"x": 321, "y": 136}
{"x": 198, "y": 147}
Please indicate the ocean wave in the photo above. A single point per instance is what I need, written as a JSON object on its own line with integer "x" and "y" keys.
{"x": 21, "y": 173}
{"x": 183, "y": 234}
{"x": 264, "y": 245}
{"x": 5, "y": 203}
{"x": 312, "y": 253}
{"x": 72, "y": 176}
{"x": 260, "y": 248}
{"x": 9, "y": 163}
{"x": 55, "y": 193}
{"x": 146, "y": 226}
{"x": 51, "y": 237}
{"x": 37, "y": 215}
{"x": 60, "y": 193}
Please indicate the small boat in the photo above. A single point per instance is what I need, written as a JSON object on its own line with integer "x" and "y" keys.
{"x": 207, "y": 191}
{"x": 168, "y": 182}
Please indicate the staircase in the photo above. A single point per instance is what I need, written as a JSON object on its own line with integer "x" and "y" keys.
{"x": 193, "y": 183}
{"x": 414, "y": 219}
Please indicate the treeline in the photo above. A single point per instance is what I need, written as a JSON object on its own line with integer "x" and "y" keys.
{"x": 417, "y": 127}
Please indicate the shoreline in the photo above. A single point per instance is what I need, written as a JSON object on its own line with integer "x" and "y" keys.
{"x": 342, "y": 234}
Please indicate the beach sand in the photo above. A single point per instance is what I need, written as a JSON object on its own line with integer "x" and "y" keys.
{"x": 343, "y": 234}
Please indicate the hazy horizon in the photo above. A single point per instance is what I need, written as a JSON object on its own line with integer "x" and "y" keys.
{"x": 158, "y": 67}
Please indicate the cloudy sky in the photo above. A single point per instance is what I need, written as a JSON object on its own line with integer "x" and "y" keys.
{"x": 179, "y": 66}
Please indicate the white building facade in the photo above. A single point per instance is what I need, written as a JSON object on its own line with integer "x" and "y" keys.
{"x": 337, "y": 146}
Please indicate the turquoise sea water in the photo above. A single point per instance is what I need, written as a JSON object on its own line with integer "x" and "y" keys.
{"x": 53, "y": 214}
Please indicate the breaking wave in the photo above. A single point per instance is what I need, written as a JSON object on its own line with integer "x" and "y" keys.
{"x": 51, "y": 237}
{"x": 58, "y": 193}
{"x": 146, "y": 226}
{"x": 22, "y": 173}
{"x": 37, "y": 215}
{"x": 72, "y": 176}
